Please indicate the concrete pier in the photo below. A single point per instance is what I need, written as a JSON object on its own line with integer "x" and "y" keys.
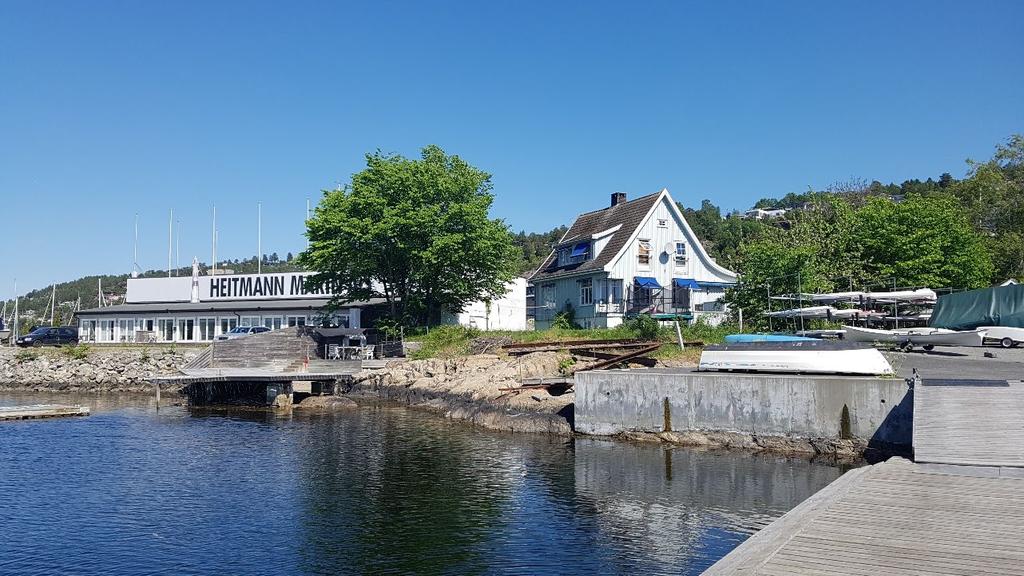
{"x": 878, "y": 411}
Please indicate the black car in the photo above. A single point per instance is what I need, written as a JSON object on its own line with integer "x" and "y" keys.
{"x": 49, "y": 336}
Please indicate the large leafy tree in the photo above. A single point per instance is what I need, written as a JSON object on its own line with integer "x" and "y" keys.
{"x": 922, "y": 241}
{"x": 415, "y": 232}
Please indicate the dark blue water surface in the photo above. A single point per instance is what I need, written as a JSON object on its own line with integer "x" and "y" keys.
{"x": 378, "y": 490}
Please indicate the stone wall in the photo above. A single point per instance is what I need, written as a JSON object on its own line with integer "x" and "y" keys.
{"x": 102, "y": 369}
{"x": 818, "y": 414}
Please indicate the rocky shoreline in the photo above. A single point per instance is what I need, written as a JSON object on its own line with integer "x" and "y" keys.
{"x": 473, "y": 389}
{"x": 93, "y": 369}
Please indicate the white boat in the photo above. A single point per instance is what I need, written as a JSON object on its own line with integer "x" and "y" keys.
{"x": 1005, "y": 336}
{"x": 806, "y": 357}
{"x": 4, "y": 334}
{"x": 927, "y": 337}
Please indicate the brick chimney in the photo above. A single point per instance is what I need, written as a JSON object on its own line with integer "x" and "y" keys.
{"x": 618, "y": 198}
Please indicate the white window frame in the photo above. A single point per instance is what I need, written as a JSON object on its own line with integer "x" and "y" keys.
{"x": 207, "y": 324}
{"x": 643, "y": 254}
{"x": 161, "y": 329}
{"x": 226, "y": 324}
{"x": 662, "y": 222}
{"x": 586, "y": 292}
{"x": 273, "y": 322}
{"x": 681, "y": 256}
{"x": 293, "y": 320}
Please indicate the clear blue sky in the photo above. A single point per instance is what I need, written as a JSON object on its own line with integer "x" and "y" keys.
{"x": 108, "y": 109}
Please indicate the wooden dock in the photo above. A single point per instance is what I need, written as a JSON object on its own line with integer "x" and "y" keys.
{"x": 209, "y": 375}
{"x": 893, "y": 518}
{"x": 969, "y": 422}
{"x": 41, "y": 411}
{"x": 958, "y": 510}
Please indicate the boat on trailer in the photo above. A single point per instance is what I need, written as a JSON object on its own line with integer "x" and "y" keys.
{"x": 907, "y": 339}
{"x": 799, "y": 357}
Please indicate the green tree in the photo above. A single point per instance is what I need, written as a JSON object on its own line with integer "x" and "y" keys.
{"x": 922, "y": 241}
{"x": 415, "y": 232}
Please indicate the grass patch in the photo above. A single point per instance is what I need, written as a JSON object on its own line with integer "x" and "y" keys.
{"x": 455, "y": 341}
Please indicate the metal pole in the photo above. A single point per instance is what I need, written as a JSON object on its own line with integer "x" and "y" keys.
{"x": 213, "y": 241}
{"x": 259, "y": 237}
{"x": 307, "y": 220}
{"x": 769, "y": 287}
{"x": 177, "y": 248}
{"x": 170, "y": 241}
{"x": 800, "y": 296}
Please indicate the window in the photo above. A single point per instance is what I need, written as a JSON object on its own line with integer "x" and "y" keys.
{"x": 272, "y": 322}
{"x": 228, "y": 324}
{"x": 186, "y": 328}
{"x": 165, "y": 329}
{"x": 296, "y": 321}
{"x": 681, "y": 252}
{"x": 106, "y": 331}
{"x": 662, "y": 223}
{"x": 126, "y": 329}
{"x": 206, "y": 328}
{"x": 579, "y": 252}
{"x": 586, "y": 292}
{"x": 249, "y": 321}
{"x": 644, "y": 253}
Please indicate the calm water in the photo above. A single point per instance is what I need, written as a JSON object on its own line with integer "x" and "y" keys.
{"x": 379, "y": 490}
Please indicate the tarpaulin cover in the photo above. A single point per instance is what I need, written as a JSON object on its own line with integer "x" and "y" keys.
{"x": 998, "y": 306}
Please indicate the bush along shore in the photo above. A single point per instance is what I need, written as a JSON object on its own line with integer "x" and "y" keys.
{"x": 89, "y": 369}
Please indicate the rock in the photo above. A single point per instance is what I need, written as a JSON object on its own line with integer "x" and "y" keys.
{"x": 326, "y": 403}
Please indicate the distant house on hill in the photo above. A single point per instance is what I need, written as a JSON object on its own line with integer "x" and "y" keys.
{"x": 763, "y": 214}
{"x": 634, "y": 257}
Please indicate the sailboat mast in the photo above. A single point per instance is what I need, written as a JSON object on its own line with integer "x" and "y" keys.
{"x": 53, "y": 303}
{"x": 213, "y": 240}
{"x": 170, "y": 241}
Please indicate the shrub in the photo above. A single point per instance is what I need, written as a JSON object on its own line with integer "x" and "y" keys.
{"x": 25, "y": 355}
{"x": 644, "y": 327}
{"x": 566, "y": 319}
{"x": 76, "y": 352}
{"x": 565, "y": 365}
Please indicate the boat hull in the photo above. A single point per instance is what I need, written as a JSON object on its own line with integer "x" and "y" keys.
{"x": 811, "y": 357}
{"x": 917, "y": 336}
{"x": 740, "y": 338}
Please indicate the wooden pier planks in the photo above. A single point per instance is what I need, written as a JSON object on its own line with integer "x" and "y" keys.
{"x": 893, "y": 518}
{"x": 41, "y": 411}
{"x": 971, "y": 423}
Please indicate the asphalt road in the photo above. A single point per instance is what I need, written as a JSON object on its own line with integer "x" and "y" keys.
{"x": 960, "y": 362}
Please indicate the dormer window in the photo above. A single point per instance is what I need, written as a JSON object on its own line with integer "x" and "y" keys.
{"x": 577, "y": 253}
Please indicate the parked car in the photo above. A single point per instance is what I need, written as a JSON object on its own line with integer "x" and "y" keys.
{"x": 49, "y": 336}
{"x": 242, "y": 331}
{"x": 1005, "y": 336}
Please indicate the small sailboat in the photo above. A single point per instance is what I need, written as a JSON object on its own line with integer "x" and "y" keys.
{"x": 809, "y": 356}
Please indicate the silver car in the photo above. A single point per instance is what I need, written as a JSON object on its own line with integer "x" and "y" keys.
{"x": 240, "y": 331}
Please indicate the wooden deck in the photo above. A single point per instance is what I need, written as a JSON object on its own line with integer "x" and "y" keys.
{"x": 969, "y": 422}
{"x": 958, "y": 510}
{"x": 41, "y": 411}
{"x": 205, "y": 375}
{"x": 894, "y": 518}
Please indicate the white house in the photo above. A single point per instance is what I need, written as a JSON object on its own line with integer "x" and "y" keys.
{"x": 761, "y": 214}
{"x": 634, "y": 257}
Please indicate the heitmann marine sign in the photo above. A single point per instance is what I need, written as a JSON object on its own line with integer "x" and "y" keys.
{"x": 279, "y": 286}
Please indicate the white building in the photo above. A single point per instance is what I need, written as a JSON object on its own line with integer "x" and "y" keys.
{"x": 505, "y": 313}
{"x": 199, "y": 308}
{"x": 634, "y": 257}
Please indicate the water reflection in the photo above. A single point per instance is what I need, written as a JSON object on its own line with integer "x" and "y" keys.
{"x": 375, "y": 490}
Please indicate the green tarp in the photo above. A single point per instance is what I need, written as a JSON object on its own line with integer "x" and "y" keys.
{"x": 999, "y": 306}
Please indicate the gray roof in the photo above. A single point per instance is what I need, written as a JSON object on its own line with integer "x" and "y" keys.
{"x": 227, "y": 306}
{"x": 629, "y": 214}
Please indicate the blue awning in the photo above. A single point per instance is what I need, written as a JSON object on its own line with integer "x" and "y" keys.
{"x": 686, "y": 283}
{"x": 717, "y": 284}
{"x": 579, "y": 250}
{"x": 646, "y": 282}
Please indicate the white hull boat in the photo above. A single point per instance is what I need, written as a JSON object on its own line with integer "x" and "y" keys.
{"x": 916, "y": 336}
{"x": 807, "y": 357}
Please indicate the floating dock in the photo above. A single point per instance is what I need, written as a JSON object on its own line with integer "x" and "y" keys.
{"x": 41, "y": 411}
{"x": 958, "y": 510}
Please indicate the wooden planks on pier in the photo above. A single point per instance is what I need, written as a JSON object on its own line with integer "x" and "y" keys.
{"x": 969, "y": 422}
{"x": 894, "y": 518}
{"x": 41, "y": 411}
{"x": 205, "y": 375}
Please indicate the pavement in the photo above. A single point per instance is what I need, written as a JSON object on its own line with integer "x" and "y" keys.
{"x": 960, "y": 362}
